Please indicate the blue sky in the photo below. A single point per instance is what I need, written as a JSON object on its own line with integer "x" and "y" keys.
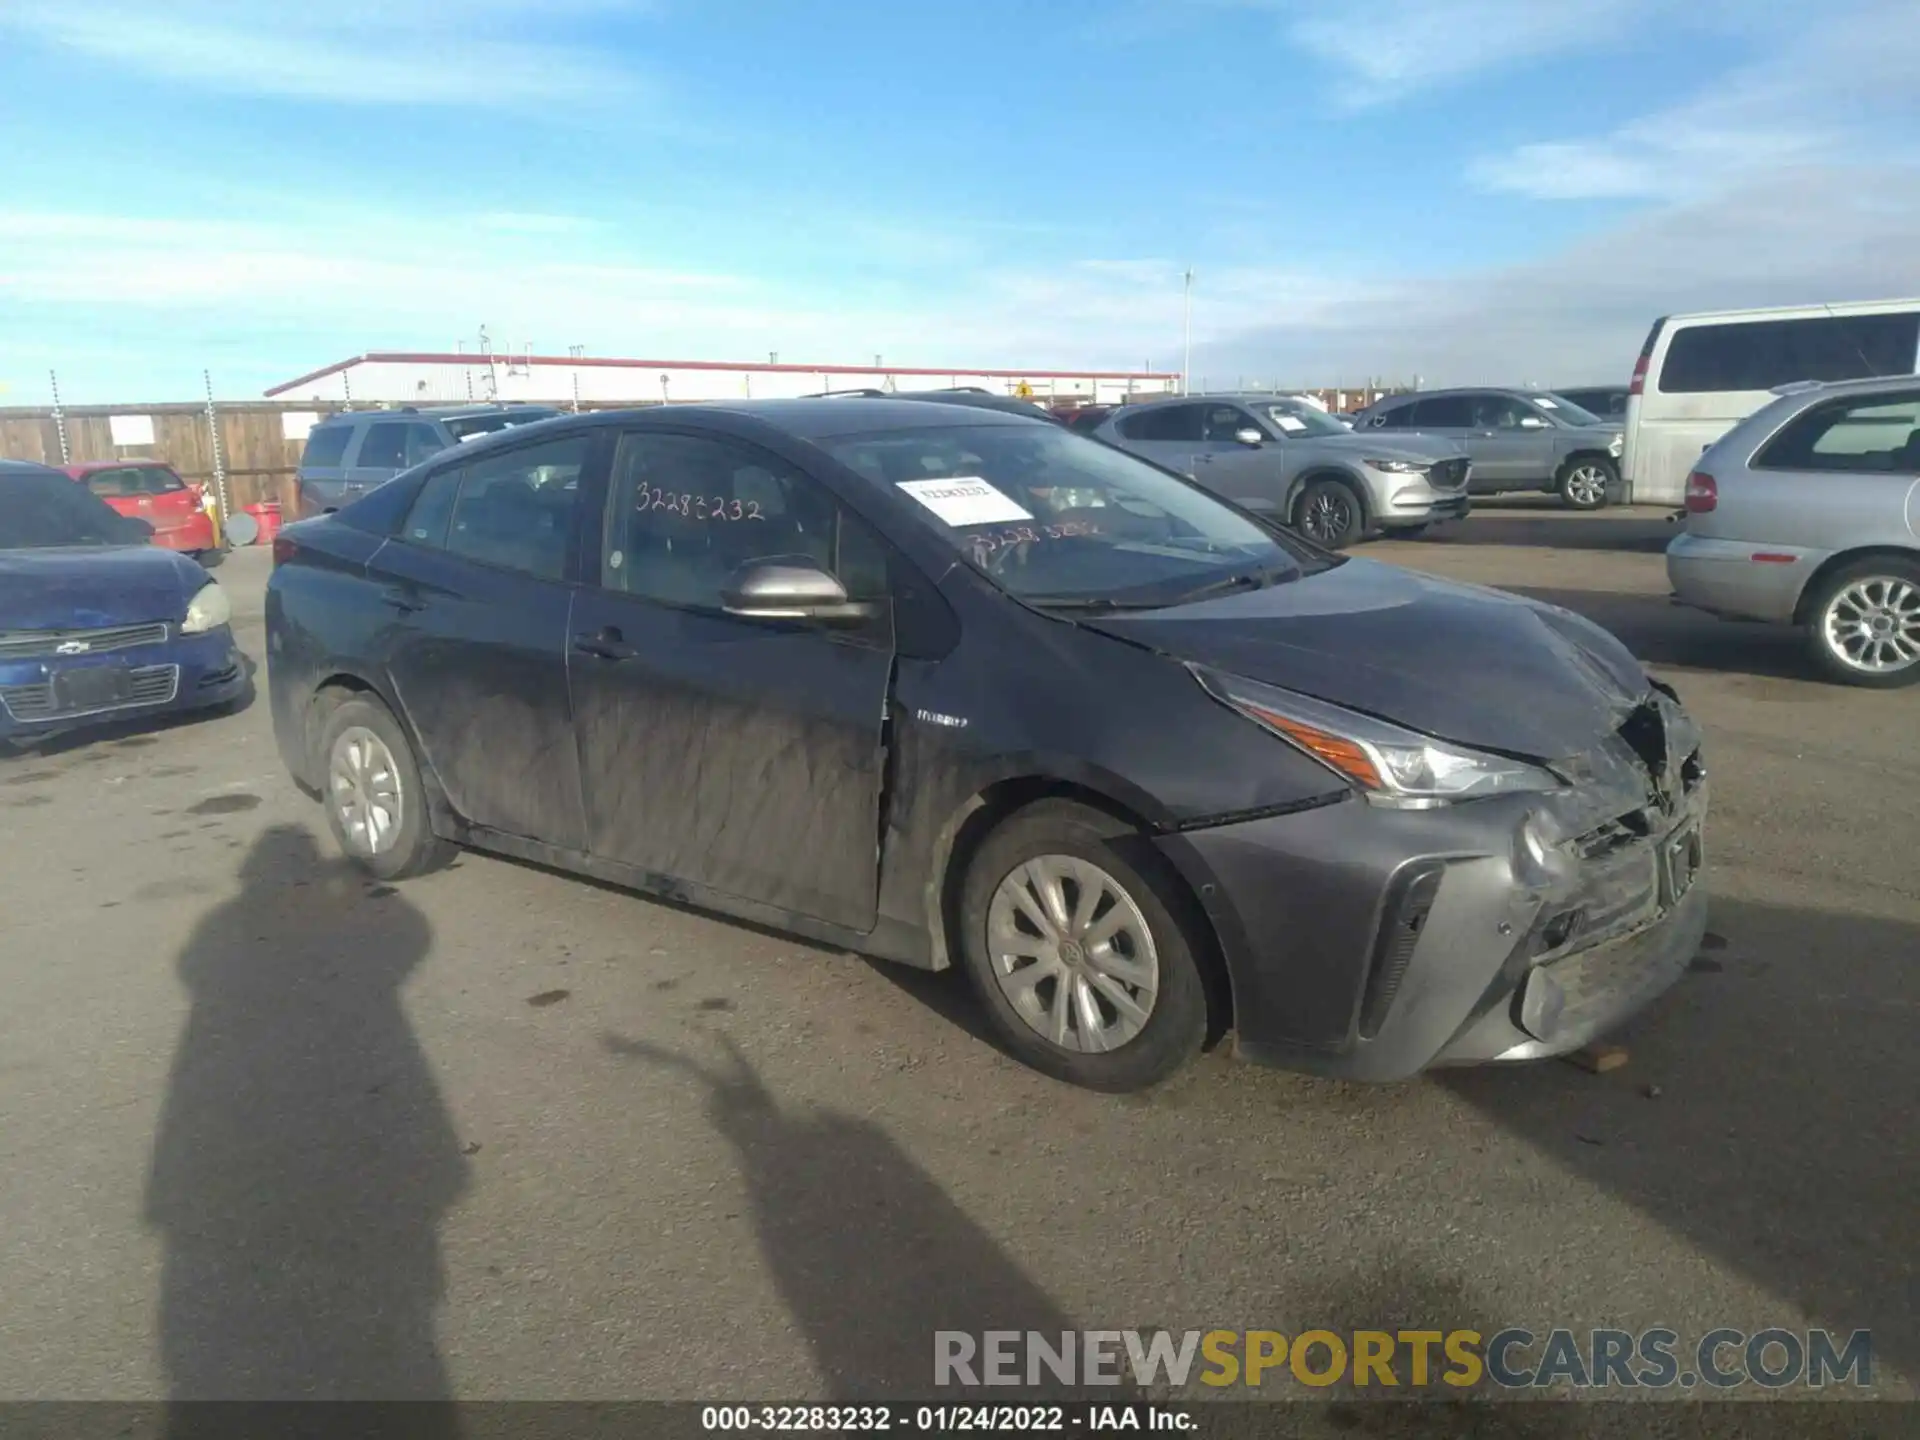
{"x": 1455, "y": 189}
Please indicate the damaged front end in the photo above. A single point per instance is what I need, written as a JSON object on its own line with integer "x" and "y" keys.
{"x": 1606, "y": 906}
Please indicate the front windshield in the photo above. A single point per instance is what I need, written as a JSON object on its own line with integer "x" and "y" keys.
{"x": 1301, "y": 420}
{"x": 1053, "y": 517}
{"x": 42, "y": 511}
{"x": 1565, "y": 411}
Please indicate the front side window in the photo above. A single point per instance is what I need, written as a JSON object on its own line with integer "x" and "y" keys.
{"x": 423, "y": 443}
{"x": 1054, "y": 518}
{"x": 1501, "y": 412}
{"x": 1165, "y": 422}
{"x": 384, "y": 447}
{"x": 514, "y": 510}
{"x": 1225, "y": 422}
{"x": 1871, "y": 434}
{"x": 685, "y": 513}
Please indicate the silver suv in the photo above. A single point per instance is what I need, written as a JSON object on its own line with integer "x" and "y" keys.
{"x": 350, "y": 453}
{"x": 1287, "y": 461}
{"x": 1517, "y": 440}
{"x": 1808, "y": 513}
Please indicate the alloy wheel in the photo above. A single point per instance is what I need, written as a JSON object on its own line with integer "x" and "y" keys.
{"x": 364, "y": 785}
{"x": 1327, "y": 517}
{"x": 1586, "y": 485}
{"x": 1073, "y": 954}
{"x": 1873, "y": 625}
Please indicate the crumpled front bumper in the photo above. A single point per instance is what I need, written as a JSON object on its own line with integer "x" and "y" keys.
{"x": 1372, "y": 943}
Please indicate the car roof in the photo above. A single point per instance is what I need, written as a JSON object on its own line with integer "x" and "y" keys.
{"x": 436, "y": 412}
{"x": 29, "y": 467}
{"x": 817, "y": 418}
{"x": 1804, "y": 389}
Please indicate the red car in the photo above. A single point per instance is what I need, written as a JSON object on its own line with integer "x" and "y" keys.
{"x": 150, "y": 491}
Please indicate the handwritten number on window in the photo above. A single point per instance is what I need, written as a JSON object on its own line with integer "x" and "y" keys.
{"x": 696, "y": 507}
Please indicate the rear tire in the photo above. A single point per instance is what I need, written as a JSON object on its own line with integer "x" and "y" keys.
{"x": 1122, "y": 1002}
{"x": 1864, "y": 623}
{"x": 1585, "y": 482}
{"x": 1329, "y": 513}
{"x": 376, "y": 805}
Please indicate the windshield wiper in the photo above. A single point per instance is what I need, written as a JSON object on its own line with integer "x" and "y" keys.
{"x": 1243, "y": 580}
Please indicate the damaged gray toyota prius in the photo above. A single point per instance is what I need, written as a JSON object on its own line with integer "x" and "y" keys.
{"x": 950, "y": 686}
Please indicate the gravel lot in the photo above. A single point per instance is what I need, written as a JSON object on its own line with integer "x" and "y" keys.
{"x": 266, "y": 1128}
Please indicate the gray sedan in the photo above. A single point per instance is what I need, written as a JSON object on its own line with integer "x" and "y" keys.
{"x": 1808, "y": 513}
{"x": 1517, "y": 439}
{"x": 1282, "y": 459}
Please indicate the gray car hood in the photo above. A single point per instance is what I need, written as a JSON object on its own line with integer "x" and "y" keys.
{"x": 1475, "y": 666}
{"x": 1360, "y": 445}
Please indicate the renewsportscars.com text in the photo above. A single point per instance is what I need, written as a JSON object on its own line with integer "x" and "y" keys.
{"x": 1512, "y": 1358}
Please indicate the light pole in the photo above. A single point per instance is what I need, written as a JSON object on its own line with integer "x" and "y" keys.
{"x": 1186, "y": 325}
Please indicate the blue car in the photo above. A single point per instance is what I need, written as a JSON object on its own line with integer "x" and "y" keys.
{"x": 97, "y": 625}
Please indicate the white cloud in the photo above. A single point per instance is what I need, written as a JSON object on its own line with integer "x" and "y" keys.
{"x": 1793, "y": 236}
{"x": 393, "y": 52}
{"x": 1839, "y": 91}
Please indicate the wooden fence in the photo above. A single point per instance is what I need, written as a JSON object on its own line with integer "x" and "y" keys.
{"x": 255, "y": 450}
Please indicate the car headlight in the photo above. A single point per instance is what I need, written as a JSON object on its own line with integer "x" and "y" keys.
{"x": 1387, "y": 763}
{"x": 209, "y": 610}
{"x": 1398, "y": 467}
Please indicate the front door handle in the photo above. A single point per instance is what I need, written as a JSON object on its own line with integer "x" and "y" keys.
{"x": 605, "y": 644}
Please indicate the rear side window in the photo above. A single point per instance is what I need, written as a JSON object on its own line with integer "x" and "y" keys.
{"x": 326, "y": 446}
{"x": 1170, "y": 422}
{"x": 385, "y": 447}
{"x": 1763, "y": 354}
{"x": 515, "y": 510}
{"x": 1450, "y": 412}
{"x": 1868, "y": 434}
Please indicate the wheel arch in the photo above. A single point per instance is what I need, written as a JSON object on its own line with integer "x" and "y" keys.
{"x": 983, "y": 812}
{"x": 335, "y": 688}
{"x": 1344, "y": 476}
{"x": 1839, "y": 560}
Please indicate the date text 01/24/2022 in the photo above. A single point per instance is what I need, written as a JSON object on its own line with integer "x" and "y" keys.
{"x": 936, "y": 1419}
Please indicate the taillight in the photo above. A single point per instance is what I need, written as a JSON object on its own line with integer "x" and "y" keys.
{"x": 1703, "y": 493}
{"x": 1639, "y": 384}
{"x": 283, "y": 549}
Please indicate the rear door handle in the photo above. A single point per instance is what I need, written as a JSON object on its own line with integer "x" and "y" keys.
{"x": 605, "y": 644}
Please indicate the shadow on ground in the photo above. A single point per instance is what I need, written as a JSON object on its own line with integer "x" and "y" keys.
{"x": 869, "y": 1254}
{"x": 304, "y": 1157}
{"x": 1660, "y": 632}
{"x": 1782, "y": 1140}
{"x": 1549, "y": 527}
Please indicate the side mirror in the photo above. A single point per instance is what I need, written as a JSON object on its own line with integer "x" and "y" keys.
{"x": 1250, "y": 437}
{"x": 790, "y": 590}
{"x": 1532, "y": 422}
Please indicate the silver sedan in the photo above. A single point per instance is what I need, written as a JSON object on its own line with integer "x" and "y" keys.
{"x": 1808, "y": 513}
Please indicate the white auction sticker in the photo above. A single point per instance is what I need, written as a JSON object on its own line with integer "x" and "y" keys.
{"x": 964, "y": 500}
{"x": 1292, "y": 424}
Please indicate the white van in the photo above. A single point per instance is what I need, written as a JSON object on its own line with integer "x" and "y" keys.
{"x": 1700, "y": 374}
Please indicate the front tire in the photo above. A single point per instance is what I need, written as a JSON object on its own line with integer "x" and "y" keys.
{"x": 1865, "y": 623}
{"x": 1072, "y": 932}
{"x": 376, "y": 805}
{"x": 1329, "y": 513}
{"x": 1586, "y": 481}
